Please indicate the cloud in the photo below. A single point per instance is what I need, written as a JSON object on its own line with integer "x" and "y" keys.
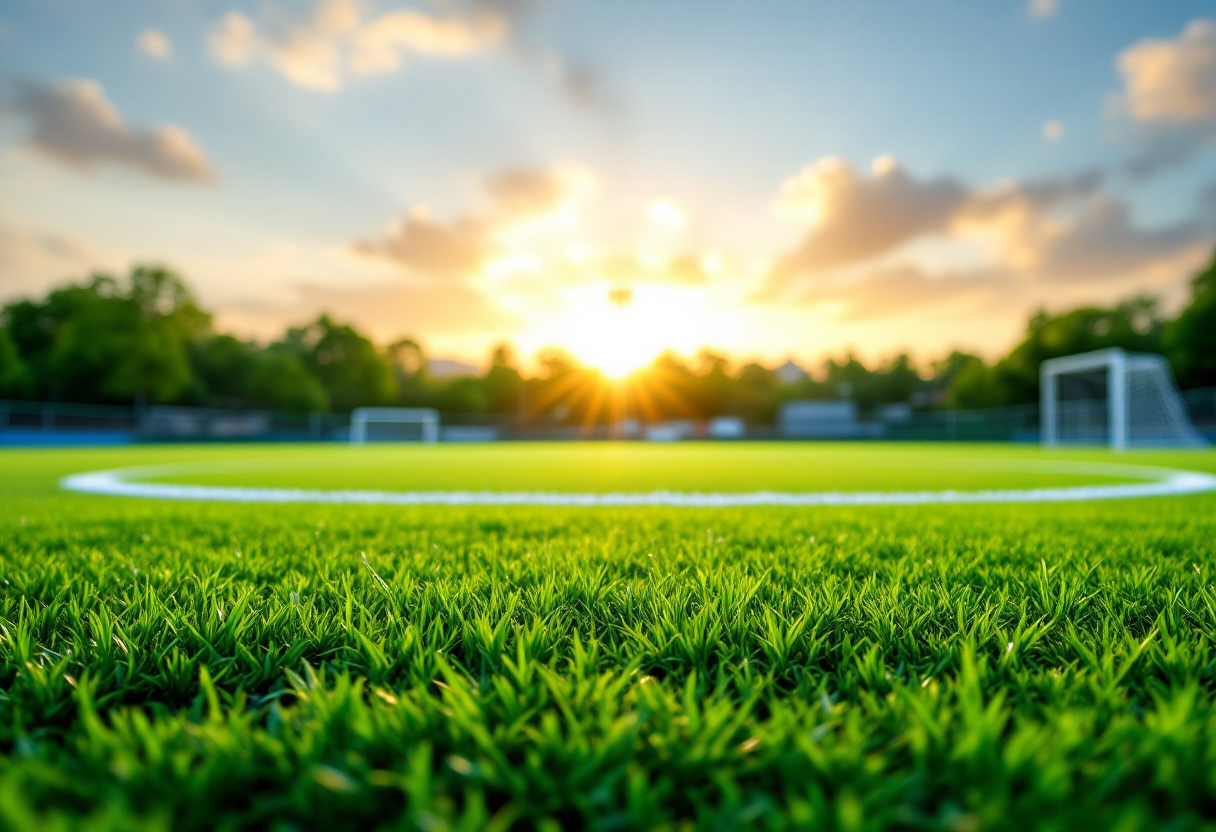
{"x": 525, "y": 192}
{"x": 422, "y": 244}
{"x": 1043, "y": 8}
{"x": 995, "y": 295}
{"x": 1172, "y": 80}
{"x": 1170, "y": 95}
{"x": 379, "y": 44}
{"x": 308, "y": 54}
{"x": 1053, "y": 131}
{"x": 398, "y": 309}
{"x": 1207, "y": 199}
{"x": 1049, "y": 231}
{"x": 321, "y": 51}
{"x": 1164, "y": 149}
{"x": 32, "y": 260}
{"x": 850, "y": 218}
{"x": 1016, "y": 217}
{"x": 73, "y": 122}
{"x": 155, "y": 44}
{"x": 337, "y": 40}
{"x": 518, "y": 198}
{"x": 233, "y": 40}
{"x": 632, "y": 269}
{"x": 903, "y": 288}
{"x": 1103, "y": 242}
{"x": 581, "y": 83}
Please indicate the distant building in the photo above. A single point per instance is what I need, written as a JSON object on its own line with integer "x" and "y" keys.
{"x": 895, "y": 413}
{"x": 824, "y": 420}
{"x": 727, "y": 427}
{"x": 672, "y": 430}
{"x": 449, "y": 368}
{"x": 790, "y": 373}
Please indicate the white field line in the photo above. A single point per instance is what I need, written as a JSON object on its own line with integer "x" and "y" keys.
{"x": 1162, "y": 482}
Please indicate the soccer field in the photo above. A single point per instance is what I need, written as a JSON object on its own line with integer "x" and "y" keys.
{"x": 195, "y": 664}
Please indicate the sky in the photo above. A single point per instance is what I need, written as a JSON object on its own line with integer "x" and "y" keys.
{"x": 770, "y": 179}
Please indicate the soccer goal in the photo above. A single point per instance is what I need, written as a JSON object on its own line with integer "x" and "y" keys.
{"x": 1112, "y": 397}
{"x": 393, "y": 424}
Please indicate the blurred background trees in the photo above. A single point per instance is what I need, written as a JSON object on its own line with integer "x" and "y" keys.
{"x": 144, "y": 339}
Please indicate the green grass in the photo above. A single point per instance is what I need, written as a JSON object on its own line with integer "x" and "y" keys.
{"x": 210, "y": 666}
{"x": 629, "y": 467}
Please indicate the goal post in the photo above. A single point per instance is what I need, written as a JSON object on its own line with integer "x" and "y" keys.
{"x": 393, "y": 424}
{"x": 1113, "y": 397}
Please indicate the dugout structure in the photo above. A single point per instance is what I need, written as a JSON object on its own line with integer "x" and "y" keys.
{"x": 393, "y": 424}
{"x": 1113, "y": 397}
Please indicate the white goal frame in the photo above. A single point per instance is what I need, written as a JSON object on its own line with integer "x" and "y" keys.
{"x": 427, "y": 417}
{"x": 1165, "y": 424}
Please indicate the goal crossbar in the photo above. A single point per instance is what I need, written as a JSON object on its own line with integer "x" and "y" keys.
{"x": 1137, "y": 402}
{"x": 363, "y": 422}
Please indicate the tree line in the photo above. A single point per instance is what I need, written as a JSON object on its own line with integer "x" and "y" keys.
{"x": 146, "y": 340}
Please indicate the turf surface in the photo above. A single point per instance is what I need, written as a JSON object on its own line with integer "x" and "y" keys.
{"x": 202, "y": 666}
{"x": 601, "y": 467}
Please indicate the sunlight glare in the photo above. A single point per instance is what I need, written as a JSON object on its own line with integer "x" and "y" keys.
{"x": 666, "y": 213}
{"x": 619, "y": 339}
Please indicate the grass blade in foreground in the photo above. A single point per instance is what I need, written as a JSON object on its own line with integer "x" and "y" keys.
{"x": 200, "y": 666}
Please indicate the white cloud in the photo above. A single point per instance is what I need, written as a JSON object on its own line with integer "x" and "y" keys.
{"x": 320, "y": 51}
{"x": 31, "y": 260}
{"x": 1043, "y": 8}
{"x": 233, "y": 40}
{"x": 378, "y": 45}
{"x": 1169, "y": 96}
{"x": 901, "y": 289}
{"x": 1053, "y": 131}
{"x": 1172, "y": 80}
{"x": 73, "y": 122}
{"x": 518, "y": 199}
{"x": 425, "y": 245}
{"x": 1101, "y": 241}
{"x": 1051, "y": 231}
{"x": 155, "y": 44}
{"x": 409, "y": 309}
{"x": 850, "y": 218}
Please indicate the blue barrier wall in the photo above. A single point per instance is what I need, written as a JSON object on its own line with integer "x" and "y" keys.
{"x": 63, "y": 438}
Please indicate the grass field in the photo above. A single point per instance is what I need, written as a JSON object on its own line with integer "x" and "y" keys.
{"x": 639, "y": 467}
{"x": 222, "y": 666}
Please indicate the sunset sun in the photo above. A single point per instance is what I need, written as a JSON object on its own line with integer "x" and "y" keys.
{"x": 618, "y": 335}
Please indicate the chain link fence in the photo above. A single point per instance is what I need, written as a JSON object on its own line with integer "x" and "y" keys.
{"x": 24, "y": 423}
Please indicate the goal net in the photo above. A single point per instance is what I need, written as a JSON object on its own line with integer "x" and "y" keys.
{"x": 1112, "y": 397}
{"x": 393, "y": 424}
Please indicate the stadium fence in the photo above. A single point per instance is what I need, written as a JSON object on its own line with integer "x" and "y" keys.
{"x": 26, "y": 423}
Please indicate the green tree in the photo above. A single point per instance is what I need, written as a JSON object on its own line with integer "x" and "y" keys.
{"x": 973, "y": 384}
{"x": 757, "y": 394}
{"x": 35, "y": 326}
{"x": 1190, "y": 339}
{"x": 1134, "y": 325}
{"x": 223, "y": 369}
{"x": 462, "y": 395}
{"x": 347, "y": 364}
{"x": 504, "y": 386}
{"x": 15, "y": 378}
{"x": 106, "y": 341}
{"x": 279, "y": 380}
{"x": 895, "y": 381}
